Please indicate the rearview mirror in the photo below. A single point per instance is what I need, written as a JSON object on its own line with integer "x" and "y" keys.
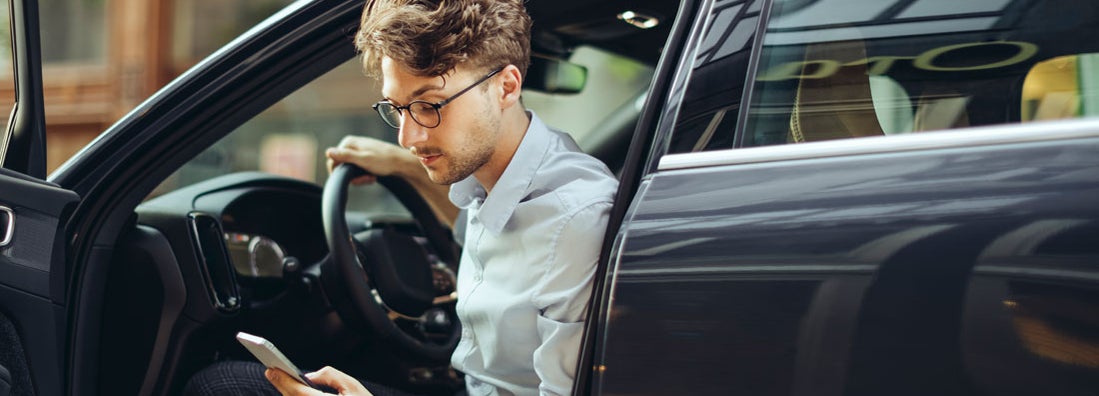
{"x": 556, "y": 76}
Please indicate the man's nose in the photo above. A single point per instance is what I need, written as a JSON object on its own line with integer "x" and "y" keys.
{"x": 411, "y": 132}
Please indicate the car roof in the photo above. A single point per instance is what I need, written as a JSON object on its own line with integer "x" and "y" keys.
{"x": 560, "y": 25}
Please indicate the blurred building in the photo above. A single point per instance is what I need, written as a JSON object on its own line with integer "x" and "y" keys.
{"x": 103, "y": 57}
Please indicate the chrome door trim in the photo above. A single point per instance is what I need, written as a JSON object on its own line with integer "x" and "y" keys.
{"x": 969, "y": 137}
{"x": 9, "y": 229}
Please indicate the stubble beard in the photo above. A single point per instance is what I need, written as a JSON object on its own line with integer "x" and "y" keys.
{"x": 476, "y": 151}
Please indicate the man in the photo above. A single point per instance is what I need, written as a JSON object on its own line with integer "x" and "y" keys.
{"x": 533, "y": 207}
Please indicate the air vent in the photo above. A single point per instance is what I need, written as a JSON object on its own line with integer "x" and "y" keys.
{"x": 214, "y": 261}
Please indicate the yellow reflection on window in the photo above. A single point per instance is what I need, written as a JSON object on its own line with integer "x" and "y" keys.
{"x": 1062, "y": 87}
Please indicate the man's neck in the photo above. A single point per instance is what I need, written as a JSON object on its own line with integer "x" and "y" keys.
{"x": 513, "y": 127}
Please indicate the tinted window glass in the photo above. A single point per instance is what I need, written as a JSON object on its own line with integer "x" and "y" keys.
{"x": 833, "y": 69}
{"x": 1062, "y": 87}
{"x": 711, "y": 102}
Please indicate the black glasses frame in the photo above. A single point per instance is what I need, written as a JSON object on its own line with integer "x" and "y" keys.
{"x": 386, "y": 108}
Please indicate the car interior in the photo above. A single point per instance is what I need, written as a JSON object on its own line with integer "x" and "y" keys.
{"x": 236, "y": 239}
{"x": 231, "y": 218}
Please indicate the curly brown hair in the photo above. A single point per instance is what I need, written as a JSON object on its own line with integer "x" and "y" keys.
{"x": 431, "y": 38}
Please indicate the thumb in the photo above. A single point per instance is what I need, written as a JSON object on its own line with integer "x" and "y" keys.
{"x": 337, "y": 156}
{"x": 284, "y": 384}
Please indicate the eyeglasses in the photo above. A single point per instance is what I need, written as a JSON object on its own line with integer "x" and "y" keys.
{"x": 424, "y": 113}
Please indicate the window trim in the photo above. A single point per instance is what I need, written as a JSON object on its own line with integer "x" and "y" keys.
{"x": 947, "y": 139}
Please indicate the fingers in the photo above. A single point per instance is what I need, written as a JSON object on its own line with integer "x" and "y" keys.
{"x": 356, "y": 142}
{"x": 287, "y": 385}
{"x": 336, "y": 157}
{"x": 342, "y": 152}
{"x": 376, "y": 156}
{"x": 367, "y": 179}
{"x": 343, "y": 383}
{"x": 328, "y": 376}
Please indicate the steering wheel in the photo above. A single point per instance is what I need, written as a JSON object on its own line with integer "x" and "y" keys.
{"x": 386, "y": 276}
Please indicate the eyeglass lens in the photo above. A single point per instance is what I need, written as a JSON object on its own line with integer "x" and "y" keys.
{"x": 422, "y": 113}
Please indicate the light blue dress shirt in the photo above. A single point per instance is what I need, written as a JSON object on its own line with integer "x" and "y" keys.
{"x": 528, "y": 261}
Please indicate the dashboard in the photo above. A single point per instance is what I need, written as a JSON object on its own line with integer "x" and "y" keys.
{"x": 264, "y": 226}
{"x": 255, "y": 256}
{"x": 251, "y": 236}
{"x": 237, "y": 235}
{"x": 248, "y": 252}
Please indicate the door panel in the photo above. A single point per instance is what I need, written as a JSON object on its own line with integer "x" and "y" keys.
{"x": 961, "y": 271}
{"x": 29, "y": 316}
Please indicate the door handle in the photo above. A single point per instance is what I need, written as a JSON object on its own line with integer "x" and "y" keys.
{"x": 7, "y": 225}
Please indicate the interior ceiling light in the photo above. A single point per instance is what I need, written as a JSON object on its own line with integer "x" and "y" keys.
{"x": 640, "y": 21}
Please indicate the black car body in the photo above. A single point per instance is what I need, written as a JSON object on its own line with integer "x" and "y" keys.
{"x": 781, "y": 227}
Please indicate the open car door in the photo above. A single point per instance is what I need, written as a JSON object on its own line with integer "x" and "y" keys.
{"x": 33, "y": 317}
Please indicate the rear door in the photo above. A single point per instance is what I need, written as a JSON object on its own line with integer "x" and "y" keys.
{"x": 867, "y": 197}
{"x": 32, "y": 282}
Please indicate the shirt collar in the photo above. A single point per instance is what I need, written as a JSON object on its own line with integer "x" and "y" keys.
{"x": 514, "y": 183}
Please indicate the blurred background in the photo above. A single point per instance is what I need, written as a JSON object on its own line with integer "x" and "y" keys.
{"x": 103, "y": 57}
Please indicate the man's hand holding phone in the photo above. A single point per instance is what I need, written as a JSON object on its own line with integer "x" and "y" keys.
{"x": 339, "y": 382}
{"x": 286, "y": 377}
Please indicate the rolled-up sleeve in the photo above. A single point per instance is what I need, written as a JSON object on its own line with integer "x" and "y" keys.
{"x": 562, "y": 296}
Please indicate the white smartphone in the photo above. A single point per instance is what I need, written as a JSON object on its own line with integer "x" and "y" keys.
{"x": 270, "y": 356}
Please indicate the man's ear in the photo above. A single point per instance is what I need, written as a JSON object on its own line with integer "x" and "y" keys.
{"x": 511, "y": 84}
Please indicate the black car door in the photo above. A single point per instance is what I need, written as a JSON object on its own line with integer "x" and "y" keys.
{"x": 32, "y": 310}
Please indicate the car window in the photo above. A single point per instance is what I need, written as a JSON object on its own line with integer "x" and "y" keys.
{"x": 7, "y": 73}
{"x": 290, "y": 137}
{"x": 7, "y": 68}
{"x": 711, "y": 103}
{"x": 1062, "y": 87}
{"x": 836, "y": 69}
{"x": 200, "y": 27}
{"x": 73, "y": 32}
{"x": 613, "y": 82}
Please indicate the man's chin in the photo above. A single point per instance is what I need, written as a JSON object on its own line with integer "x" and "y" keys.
{"x": 444, "y": 178}
{"x": 438, "y": 177}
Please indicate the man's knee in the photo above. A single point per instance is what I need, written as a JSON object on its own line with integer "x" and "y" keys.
{"x": 230, "y": 378}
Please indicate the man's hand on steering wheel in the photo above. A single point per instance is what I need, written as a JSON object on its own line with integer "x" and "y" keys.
{"x": 380, "y": 158}
{"x": 377, "y": 157}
